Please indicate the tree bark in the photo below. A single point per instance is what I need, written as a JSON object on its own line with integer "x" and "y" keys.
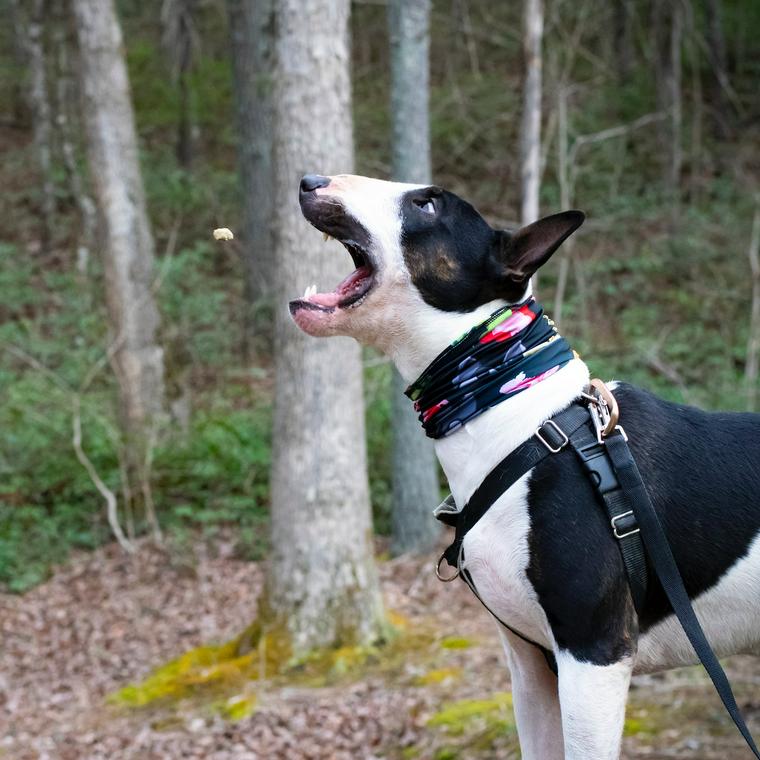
{"x": 251, "y": 27}
{"x": 530, "y": 133}
{"x": 125, "y": 238}
{"x": 322, "y": 585}
{"x": 415, "y": 474}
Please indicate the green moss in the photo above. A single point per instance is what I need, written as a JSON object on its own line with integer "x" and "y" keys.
{"x": 458, "y": 717}
{"x": 194, "y": 669}
{"x": 641, "y": 722}
{"x": 238, "y": 707}
{"x": 456, "y": 642}
{"x": 438, "y": 675}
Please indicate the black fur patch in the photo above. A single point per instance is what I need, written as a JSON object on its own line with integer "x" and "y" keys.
{"x": 701, "y": 472}
{"x": 451, "y": 254}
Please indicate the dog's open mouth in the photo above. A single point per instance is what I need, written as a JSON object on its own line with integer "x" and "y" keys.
{"x": 350, "y": 292}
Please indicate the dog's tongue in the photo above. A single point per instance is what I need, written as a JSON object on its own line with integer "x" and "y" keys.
{"x": 352, "y": 284}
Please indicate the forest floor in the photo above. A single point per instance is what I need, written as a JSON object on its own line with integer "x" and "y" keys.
{"x": 106, "y": 619}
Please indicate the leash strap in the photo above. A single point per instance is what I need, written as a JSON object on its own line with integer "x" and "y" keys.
{"x": 595, "y": 459}
{"x": 664, "y": 564}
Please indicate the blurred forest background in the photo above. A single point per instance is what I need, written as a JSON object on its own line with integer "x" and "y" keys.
{"x": 648, "y": 120}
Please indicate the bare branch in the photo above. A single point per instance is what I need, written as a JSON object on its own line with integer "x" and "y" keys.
{"x": 105, "y": 491}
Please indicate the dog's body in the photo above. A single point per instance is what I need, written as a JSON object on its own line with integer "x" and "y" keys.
{"x": 543, "y": 558}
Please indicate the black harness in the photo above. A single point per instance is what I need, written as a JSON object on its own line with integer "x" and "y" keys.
{"x": 606, "y": 457}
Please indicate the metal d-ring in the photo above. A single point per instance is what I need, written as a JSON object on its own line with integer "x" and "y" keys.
{"x": 612, "y": 405}
{"x": 438, "y": 571}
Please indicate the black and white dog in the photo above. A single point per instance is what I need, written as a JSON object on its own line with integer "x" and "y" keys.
{"x": 543, "y": 558}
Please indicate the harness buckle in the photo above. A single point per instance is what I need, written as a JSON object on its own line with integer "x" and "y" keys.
{"x": 540, "y": 435}
{"x": 622, "y": 516}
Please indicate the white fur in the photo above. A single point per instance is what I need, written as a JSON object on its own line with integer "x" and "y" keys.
{"x": 536, "y": 700}
{"x": 592, "y": 700}
{"x": 728, "y": 613}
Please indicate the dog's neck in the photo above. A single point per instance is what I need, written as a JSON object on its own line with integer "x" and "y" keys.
{"x": 471, "y": 452}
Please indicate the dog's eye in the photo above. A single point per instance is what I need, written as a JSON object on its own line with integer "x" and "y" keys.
{"x": 426, "y": 205}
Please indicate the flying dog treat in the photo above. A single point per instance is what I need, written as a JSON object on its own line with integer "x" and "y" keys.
{"x": 223, "y": 233}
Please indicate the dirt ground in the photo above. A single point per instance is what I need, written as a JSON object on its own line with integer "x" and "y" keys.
{"x": 105, "y": 620}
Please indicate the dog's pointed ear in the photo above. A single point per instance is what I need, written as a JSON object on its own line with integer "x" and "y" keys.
{"x": 520, "y": 253}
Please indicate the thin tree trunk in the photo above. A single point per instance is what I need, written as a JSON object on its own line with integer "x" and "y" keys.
{"x": 564, "y": 202}
{"x": 251, "y": 34}
{"x": 125, "y": 238}
{"x": 530, "y": 135}
{"x": 65, "y": 97}
{"x": 415, "y": 474}
{"x": 717, "y": 45}
{"x": 30, "y": 29}
{"x": 322, "y": 586}
{"x": 753, "y": 342}
{"x": 623, "y": 11}
{"x": 676, "y": 116}
{"x": 697, "y": 107}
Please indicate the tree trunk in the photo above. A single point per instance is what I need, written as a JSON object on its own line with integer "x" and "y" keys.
{"x": 623, "y": 53}
{"x": 322, "y": 585}
{"x": 415, "y": 474}
{"x": 753, "y": 341}
{"x": 530, "y": 134}
{"x": 65, "y": 99}
{"x": 667, "y": 23}
{"x": 717, "y": 45}
{"x": 179, "y": 42}
{"x": 125, "y": 238}
{"x": 251, "y": 33}
{"x": 30, "y": 29}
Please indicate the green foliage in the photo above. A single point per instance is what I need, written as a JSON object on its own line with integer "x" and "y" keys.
{"x": 213, "y": 474}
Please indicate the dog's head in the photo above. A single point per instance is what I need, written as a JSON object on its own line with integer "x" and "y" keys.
{"x": 422, "y": 256}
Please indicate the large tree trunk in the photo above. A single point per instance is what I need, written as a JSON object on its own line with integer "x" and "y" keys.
{"x": 125, "y": 239}
{"x": 530, "y": 134}
{"x": 251, "y": 33}
{"x": 322, "y": 585}
{"x": 415, "y": 475}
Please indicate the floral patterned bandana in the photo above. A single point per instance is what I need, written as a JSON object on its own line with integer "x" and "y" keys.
{"x": 515, "y": 348}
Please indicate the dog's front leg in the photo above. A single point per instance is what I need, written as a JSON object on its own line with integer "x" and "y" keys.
{"x": 592, "y": 698}
{"x": 535, "y": 698}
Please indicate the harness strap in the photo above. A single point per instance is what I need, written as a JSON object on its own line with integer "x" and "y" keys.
{"x": 595, "y": 459}
{"x": 664, "y": 564}
{"x": 464, "y": 574}
{"x": 551, "y": 437}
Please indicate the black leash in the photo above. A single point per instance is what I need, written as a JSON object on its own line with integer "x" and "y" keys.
{"x": 617, "y": 479}
{"x": 664, "y": 564}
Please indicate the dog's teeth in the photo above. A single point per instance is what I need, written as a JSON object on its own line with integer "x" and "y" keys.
{"x": 325, "y": 236}
{"x": 310, "y": 291}
{"x": 306, "y": 292}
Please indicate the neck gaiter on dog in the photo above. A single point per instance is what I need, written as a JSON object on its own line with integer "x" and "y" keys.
{"x": 515, "y": 348}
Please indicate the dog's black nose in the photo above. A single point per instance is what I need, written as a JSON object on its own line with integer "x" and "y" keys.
{"x": 313, "y": 181}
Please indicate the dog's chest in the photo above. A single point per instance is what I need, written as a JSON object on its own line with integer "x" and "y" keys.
{"x": 496, "y": 554}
